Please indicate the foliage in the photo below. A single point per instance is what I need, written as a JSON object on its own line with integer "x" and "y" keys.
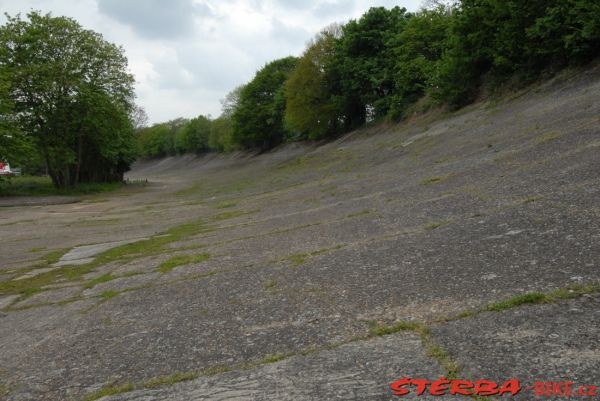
{"x": 258, "y": 116}
{"x": 42, "y": 186}
{"x": 389, "y": 63}
{"x": 366, "y": 63}
{"x": 311, "y": 109}
{"x": 221, "y": 131}
{"x": 193, "y": 136}
{"x": 491, "y": 41}
{"x": 71, "y": 96}
{"x": 418, "y": 49}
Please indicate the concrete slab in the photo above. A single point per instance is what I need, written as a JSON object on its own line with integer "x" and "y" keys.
{"x": 356, "y": 371}
{"x": 547, "y": 343}
{"x": 84, "y": 254}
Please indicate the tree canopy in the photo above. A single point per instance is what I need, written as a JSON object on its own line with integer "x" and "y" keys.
{"x": 390, "y": 63}
{"x": 258, "y": 117}
{"x": 70, "y": 95}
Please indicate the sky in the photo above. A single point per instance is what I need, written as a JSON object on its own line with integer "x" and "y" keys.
{"x": 186, "y": 55}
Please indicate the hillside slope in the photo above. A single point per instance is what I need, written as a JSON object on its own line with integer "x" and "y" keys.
{"x": 276, "y": 276}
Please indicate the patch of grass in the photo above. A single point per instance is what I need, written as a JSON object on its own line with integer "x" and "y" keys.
{"x": 225, "y": 205}
{"x": 436, "y": 224}
{"x": 29, "y": 286}
{"x": 110, "y": 390}
{"x": 109, "y": 294}
{"x": 573, "y": 291}
{"x": 272, "y": 283}
{"x": 35, "y": 250}
{"x": 191, "y": 190}
{"x": 52, "y": 257}
{"x": 232, "y": 214}
{"x": 547, "y": 137}
{"x": 433, "y": 180}
{"x": 99, "y": 280}
{"x": 529, "y": 298}
{"x": 42, "y": 186}
{"x": 530, "y": 199}
{"x": 298, "y": 259}
{"x": 377, "y": 330}
{"x": 170, "y": 379}
{"x": 432, "y": 349}
{"x": 215, "y": 370}
{"x": 357, "y": 214}
{"x": 477, "y": 193}
{"x": 181, "y": 260}
{"x": 438, "y": 353}
{"x": 29, "y": 292}
{"x": 271, "y": 359}
{"x": 4, "y": 390}
{"x": 421, "y": 146}
{"x": 570, "y": 292}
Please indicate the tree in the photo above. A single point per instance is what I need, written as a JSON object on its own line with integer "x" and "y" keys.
{"x": 258, "y": 117}
{"x": 139, "y": 117}
{"x": 193, "y": 136}
{"x": 63, "y": 80}
{"x": 311, "y": 110}
{"x": 230, "y": 103}
{"x": 366, "y": 64}
{"x": 221, "y": 131}
{"x": 418, "y": 49}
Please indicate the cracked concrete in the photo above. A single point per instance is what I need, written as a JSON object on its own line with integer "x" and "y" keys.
{"x": 309, "y": 246}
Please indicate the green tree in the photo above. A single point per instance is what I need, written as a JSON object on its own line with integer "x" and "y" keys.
{"x": 258, "y": 117}
{"x": 311, "y": 109}
{"x": 418, "y": 49}
{"x": 193, "y": 136}
{"x": 366, "y": 64}
{"x": 57, "y": 70}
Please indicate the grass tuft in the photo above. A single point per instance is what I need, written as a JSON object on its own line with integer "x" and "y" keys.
{"x": 215, "y": 370}
{"x": 99, "y": 280}
{"x": 270, "y": 284}
{"x": 529, "y": 298}
{"x": 357, "y": 214}
{"x": 377, "y": 330}
{"x": 530, "y": 199}
{"x": 272, "y": 359}
{"x": 433, "y": 180}
{"x": 436, "y": 224}
{"x": 177, "y": 377}
{"x": 110, "y": 390}
{"x": 225, "y": 205}
{"x": 109, "y": 294}
{"x": 181, "y": 260}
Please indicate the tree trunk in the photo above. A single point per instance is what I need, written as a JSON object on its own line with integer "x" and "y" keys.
{"x": 79, "y": 156}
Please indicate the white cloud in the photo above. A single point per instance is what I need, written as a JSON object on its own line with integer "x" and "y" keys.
{"x": 188, "y": 54}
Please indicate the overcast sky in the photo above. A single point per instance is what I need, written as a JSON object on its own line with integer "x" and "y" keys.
{"x": 186, "y": 55}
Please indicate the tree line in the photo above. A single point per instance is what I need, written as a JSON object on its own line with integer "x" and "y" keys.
{"x": 67, "y": 101}
{"x": 387, "y": 65}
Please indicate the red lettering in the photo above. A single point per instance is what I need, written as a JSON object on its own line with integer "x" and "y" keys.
{"x": 556, "y": 388}
{"x": 538, "y": 388}
{"x": 461, "y": 387}
{"x": 569, "y": 389}
{"x": 398, "y": 386}
{"x": 439, "y": 387}
{"x": 512, "y": 386}
{"x": 485, "y": 388}
{"x": 421, "y": 385}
